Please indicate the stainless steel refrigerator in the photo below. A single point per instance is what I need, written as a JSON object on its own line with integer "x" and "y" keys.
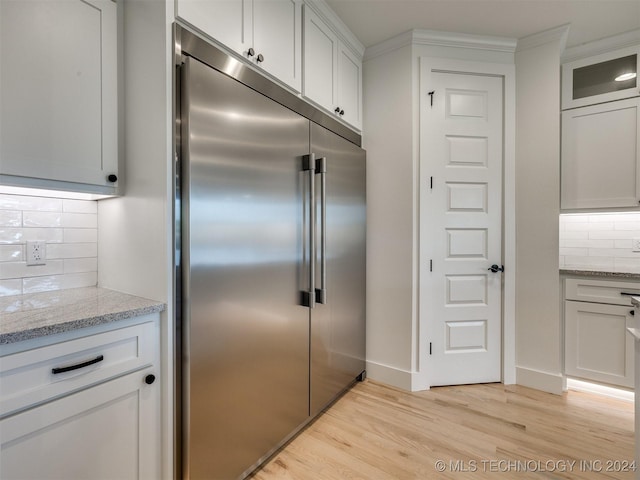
{"x": 271, "y": 263}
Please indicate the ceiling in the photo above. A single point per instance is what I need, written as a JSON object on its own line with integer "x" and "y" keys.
{"x": 373, "y": 21}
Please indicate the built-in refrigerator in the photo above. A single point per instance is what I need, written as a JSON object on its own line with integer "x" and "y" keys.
{"x": 270, "y": 262}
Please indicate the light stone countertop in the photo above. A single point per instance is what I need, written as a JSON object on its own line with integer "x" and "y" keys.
{"x": 23, "y": 317}
{"x": 600, "y": 273}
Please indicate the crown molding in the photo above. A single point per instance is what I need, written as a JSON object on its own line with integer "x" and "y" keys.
{"x": 553, "y": 34}
{"x": 603, "y": 45}
{"x": 436, "y": 38}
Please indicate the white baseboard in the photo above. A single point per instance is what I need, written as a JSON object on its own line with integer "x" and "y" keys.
{"x": 389, "y": 375}
{"x": 545, "y": 381}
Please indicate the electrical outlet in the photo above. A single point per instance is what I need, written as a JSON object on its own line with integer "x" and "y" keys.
{"x": 36, "y": 253}
{"x": 635, "y": 245}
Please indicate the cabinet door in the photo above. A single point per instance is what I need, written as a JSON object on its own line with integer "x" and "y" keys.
{"x": 600, "y": 159}
{"x": 104, "y": 432}
{"x": 226, "y": 21}
{"x": 277, "y": 34}
{"x": 349, "y": 87}
{"x": 597, "y": 346}
{"x": 320, "y": 61}
{"x": 601, "y": 78}
{"x": 58, "y": 90}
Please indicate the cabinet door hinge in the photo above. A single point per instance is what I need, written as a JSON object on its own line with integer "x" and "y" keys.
{"x": 431, "y": 97}
{"x": 431, "y": 265}
{"x": 430, "y": 348}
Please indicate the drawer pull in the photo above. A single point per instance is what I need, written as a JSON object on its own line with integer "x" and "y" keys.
{"x": 630, "y": 294}
{"x": 98, "y": 359}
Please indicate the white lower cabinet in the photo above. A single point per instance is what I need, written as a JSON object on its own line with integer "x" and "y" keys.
{"x": 104, "y": 430}
{"x": 597, "y": 346}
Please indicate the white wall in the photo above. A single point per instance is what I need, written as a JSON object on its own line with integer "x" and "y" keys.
{"x": 391, "y": 83}
{"x": 538, "y": 323}
{"x": 388, "y": 139}
{"x": 135, "y": 231}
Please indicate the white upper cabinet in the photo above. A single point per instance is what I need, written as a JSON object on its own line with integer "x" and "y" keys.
{"x": 266, "y": 32}
{"x": 59, "y": 94}
{"x": 332, "y": 72}
{"x": 600, "y": 156}
{"x": 601, "y": 78}
{"x": 277, "y": 36}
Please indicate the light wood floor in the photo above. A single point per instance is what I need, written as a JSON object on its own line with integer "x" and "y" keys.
{"x": 376, "y": 432}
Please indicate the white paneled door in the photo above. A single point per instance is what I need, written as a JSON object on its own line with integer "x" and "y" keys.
{"x": 461, "y": 226}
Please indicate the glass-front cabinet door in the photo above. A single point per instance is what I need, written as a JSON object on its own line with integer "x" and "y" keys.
{"x": 601, "y": 78}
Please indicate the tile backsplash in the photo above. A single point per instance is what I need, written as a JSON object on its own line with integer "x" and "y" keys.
{"x": 70, "y": 230}
{"x": 600, "y": 241}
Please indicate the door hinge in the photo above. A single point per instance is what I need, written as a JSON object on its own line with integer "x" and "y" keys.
{"x": 430, "y": 348}
{"x": 431, "y": 97}
{"x": 431, "y": 183}
{"x": 431, "y": 265}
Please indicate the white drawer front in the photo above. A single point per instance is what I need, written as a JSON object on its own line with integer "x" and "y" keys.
{"x": 600, "y": 291}
{"x": 28, "y": 378}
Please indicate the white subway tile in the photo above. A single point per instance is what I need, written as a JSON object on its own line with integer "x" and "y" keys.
{"x": 21, "y": 270}
{"x": 575, "y": 235}
{"x": 23, "y": 202}
{"x": 11, "y": 235}
{"x": 78, "y": 280}
{"x": 10, "y": 287}
{"x": 586, "y": 243}
{"x": 10, "y": 218}
{"x": 585, "y": 261}
{"x": 42, "y": 284}
{"x": 627, "y": 265}
{"x": 49, "y": 235}
{"x": 80, "y": 206}
{"x": 612, "y": 235}
{"x": 573, "y": 218}
{"x": 575, "y": 252}
{"x": 11, "y": 253}
{"x": 80, "y": 265}
{"x": 59, "y": 282}
{"x": 72, "y": 250}
{"x": 623, "y": 244}
{"x": 80, "y": 235}
{"x": 41, "y": 219}
{"x": 627, "y": 226}
{"x": 578, "y": 226}
{"x": 79, "y": 220}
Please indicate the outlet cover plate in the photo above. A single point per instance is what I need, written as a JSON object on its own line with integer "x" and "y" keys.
{"x": 36, "y": 253}
{"x": 635, "y": 245}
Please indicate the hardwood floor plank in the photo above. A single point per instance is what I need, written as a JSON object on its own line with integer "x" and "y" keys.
{"x": 377, "y": 432}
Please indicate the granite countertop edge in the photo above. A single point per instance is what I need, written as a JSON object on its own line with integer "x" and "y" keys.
{"x": 600, "y": 273}
{"x": 29, "y": 316}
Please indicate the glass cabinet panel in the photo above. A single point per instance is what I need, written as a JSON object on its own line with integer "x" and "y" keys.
{"x": 605, "y": 77}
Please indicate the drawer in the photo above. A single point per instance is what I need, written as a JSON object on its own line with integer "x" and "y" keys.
{"x": 34, "y": 376}
{"x": 600, "y": 291}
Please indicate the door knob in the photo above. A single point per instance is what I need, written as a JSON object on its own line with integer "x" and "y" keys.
{"x": 495, "y": 268}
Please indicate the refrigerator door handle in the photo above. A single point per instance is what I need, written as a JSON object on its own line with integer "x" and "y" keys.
{"x": 321, "y": 169}
{"x": 309, "y": 296}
